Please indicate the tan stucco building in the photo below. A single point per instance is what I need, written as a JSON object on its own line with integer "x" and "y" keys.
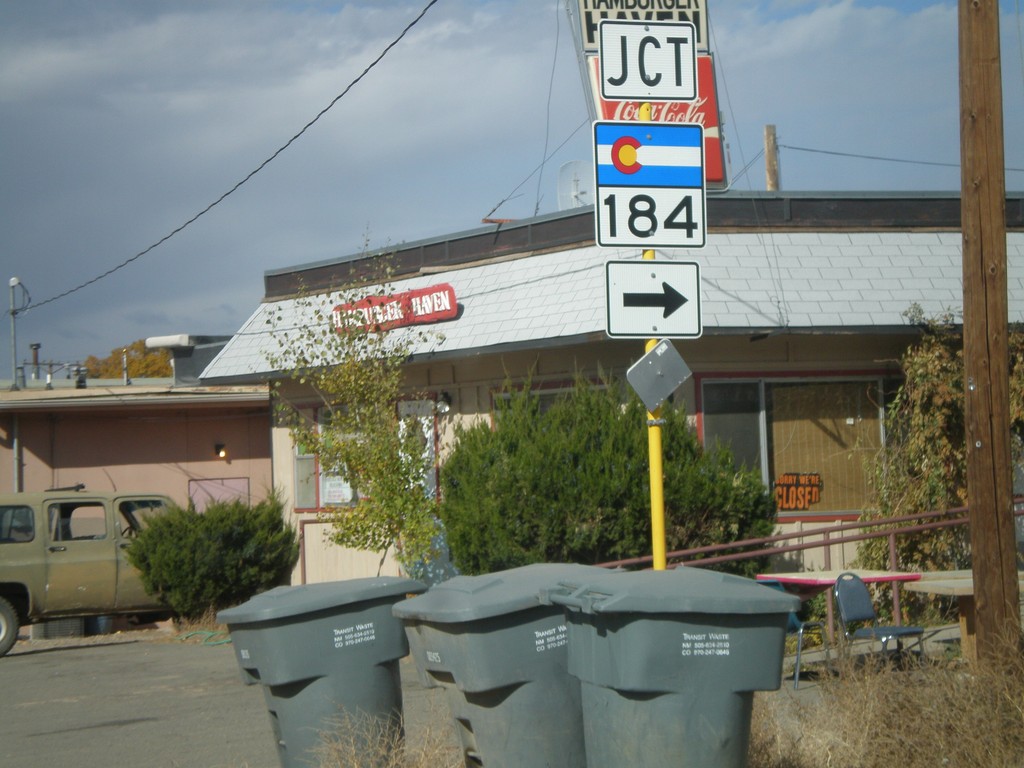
{"x": 803, "y": 305}
{"x": 192, "y": 442}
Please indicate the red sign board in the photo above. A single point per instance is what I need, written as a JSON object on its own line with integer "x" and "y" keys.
{"x": 703, "y": 111}
{"x": 382, "y": 313}
{"x": 796, "y": 491}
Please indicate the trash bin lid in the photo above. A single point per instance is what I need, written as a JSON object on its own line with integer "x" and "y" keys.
{"x": 681, "y": 590}
{"x": 286, "y": 602}
{"x": 469, "y": 598}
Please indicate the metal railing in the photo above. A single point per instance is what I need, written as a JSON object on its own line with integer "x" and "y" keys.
{"x": 824, "y": 538}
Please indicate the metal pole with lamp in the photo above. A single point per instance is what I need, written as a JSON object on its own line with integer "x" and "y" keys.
{"x": 15, "y": 432}
{"x": 14, "y": 283}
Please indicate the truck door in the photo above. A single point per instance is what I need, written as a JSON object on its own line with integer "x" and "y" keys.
{"x": 81, "y": 568}
{"x": 131, "y": 517}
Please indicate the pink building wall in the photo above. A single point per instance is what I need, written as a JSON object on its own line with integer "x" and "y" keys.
{"x": 165, "y": 450}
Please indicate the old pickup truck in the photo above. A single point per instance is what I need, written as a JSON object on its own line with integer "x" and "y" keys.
{"x": 63, "y": 554}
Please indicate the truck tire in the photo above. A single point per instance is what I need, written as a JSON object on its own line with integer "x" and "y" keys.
{"x": 8, "y": 626}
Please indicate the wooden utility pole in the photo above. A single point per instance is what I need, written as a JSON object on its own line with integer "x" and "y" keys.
{"x": 986, "y": 348}
{"x": 771, "y": 159}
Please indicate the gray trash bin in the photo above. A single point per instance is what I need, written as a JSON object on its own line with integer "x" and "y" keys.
{"x": 500, "y": 656}
{"x": 323, "y": 652}
{"x": 668, "y": 663}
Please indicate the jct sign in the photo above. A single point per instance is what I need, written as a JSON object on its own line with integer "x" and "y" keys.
{"x": 650, "y": 62}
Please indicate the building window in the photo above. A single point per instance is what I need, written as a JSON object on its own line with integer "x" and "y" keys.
{"x": 315, "y": 489}
{"x": 733, "y": 417}
{"x": 206, "y": 491}
{"x": 546, "y": 394}
{"x": 419, "y": 416}
{"x": 809, "y": 439}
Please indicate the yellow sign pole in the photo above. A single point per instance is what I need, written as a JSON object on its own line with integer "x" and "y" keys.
{"x": 654, "y": 451}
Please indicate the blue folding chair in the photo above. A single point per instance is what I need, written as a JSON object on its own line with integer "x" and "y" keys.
{"x": 856, "y": 607}
{"x": 796, "y": 627}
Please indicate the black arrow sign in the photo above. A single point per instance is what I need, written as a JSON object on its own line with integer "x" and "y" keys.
{"x": 669, "y": 299}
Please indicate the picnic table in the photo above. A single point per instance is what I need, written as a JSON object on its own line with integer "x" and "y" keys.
{"x": 958, "y": 584}
{"x": 807, "y": 584}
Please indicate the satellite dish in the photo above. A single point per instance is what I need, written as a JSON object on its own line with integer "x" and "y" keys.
{"x": 575, "y": 185}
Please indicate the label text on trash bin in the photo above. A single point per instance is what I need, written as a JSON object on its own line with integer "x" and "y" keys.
{"x": 705, "y": 644}
{"x": 548, "y": 639}
{"x": 354, "y": 635}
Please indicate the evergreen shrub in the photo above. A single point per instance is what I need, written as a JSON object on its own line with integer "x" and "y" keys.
{"x": 570, "y": 483}
{"x": 200, "y": 563}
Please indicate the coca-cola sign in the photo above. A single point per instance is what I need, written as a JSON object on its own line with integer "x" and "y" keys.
{"x": 703, "y": 111}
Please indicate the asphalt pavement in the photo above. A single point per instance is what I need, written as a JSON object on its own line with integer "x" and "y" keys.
{"x": 160, "y": 699}
{"x": 141, "y": 699}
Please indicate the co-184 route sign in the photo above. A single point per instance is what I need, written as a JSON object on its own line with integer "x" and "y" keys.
{"x": 653, "y": 298}
{"x": 649, "y": 179}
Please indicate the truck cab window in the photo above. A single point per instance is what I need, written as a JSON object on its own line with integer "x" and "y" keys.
{"x": 135, "y": 514}
{"x": 17, "y": 525}
{"x": 77, "y": 521}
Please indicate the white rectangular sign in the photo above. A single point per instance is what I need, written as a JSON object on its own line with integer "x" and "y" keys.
{"x": 648, "y": 62}
{"x": 650, "y": 299}
{"x": 649, "y": 182}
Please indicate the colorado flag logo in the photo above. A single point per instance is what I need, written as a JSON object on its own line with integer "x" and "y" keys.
{"x": 635, "y": 154}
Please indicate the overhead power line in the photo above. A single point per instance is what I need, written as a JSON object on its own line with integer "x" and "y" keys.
{"x": 547, "y": 112}
{"x": 252, "y": 173}
{"x": 876, "y": 157}
{"x": 512, "y": 194}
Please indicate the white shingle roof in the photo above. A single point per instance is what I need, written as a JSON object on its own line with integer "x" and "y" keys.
{"x": 799, "y": 280}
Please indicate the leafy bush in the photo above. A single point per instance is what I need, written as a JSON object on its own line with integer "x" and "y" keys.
{"x": 571, "y": 484}
{"x": 352, "y": 376}
{"x": 924, "y": 465}
{"x": 197, "y": 563}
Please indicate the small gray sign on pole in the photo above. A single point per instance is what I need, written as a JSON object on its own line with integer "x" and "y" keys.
{"x": 658, "y": 374}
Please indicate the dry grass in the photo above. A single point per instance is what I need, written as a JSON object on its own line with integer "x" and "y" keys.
{"x": 202, "y": 630}
{"x": 867, "y": 714}
{"x": 873, "y": 714}
{"x": 364, "y": 742}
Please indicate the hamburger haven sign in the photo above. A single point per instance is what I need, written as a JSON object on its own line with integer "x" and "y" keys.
{"x": 421, "y": 306}
{"x": 592, "y": 12}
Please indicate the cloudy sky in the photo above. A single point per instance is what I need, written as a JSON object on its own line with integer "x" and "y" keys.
{"x": 122, "y": 120}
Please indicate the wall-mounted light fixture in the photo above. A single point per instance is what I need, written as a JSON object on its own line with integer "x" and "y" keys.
{"x": 220, "y": 451}
{"x": 444, "y": 403}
